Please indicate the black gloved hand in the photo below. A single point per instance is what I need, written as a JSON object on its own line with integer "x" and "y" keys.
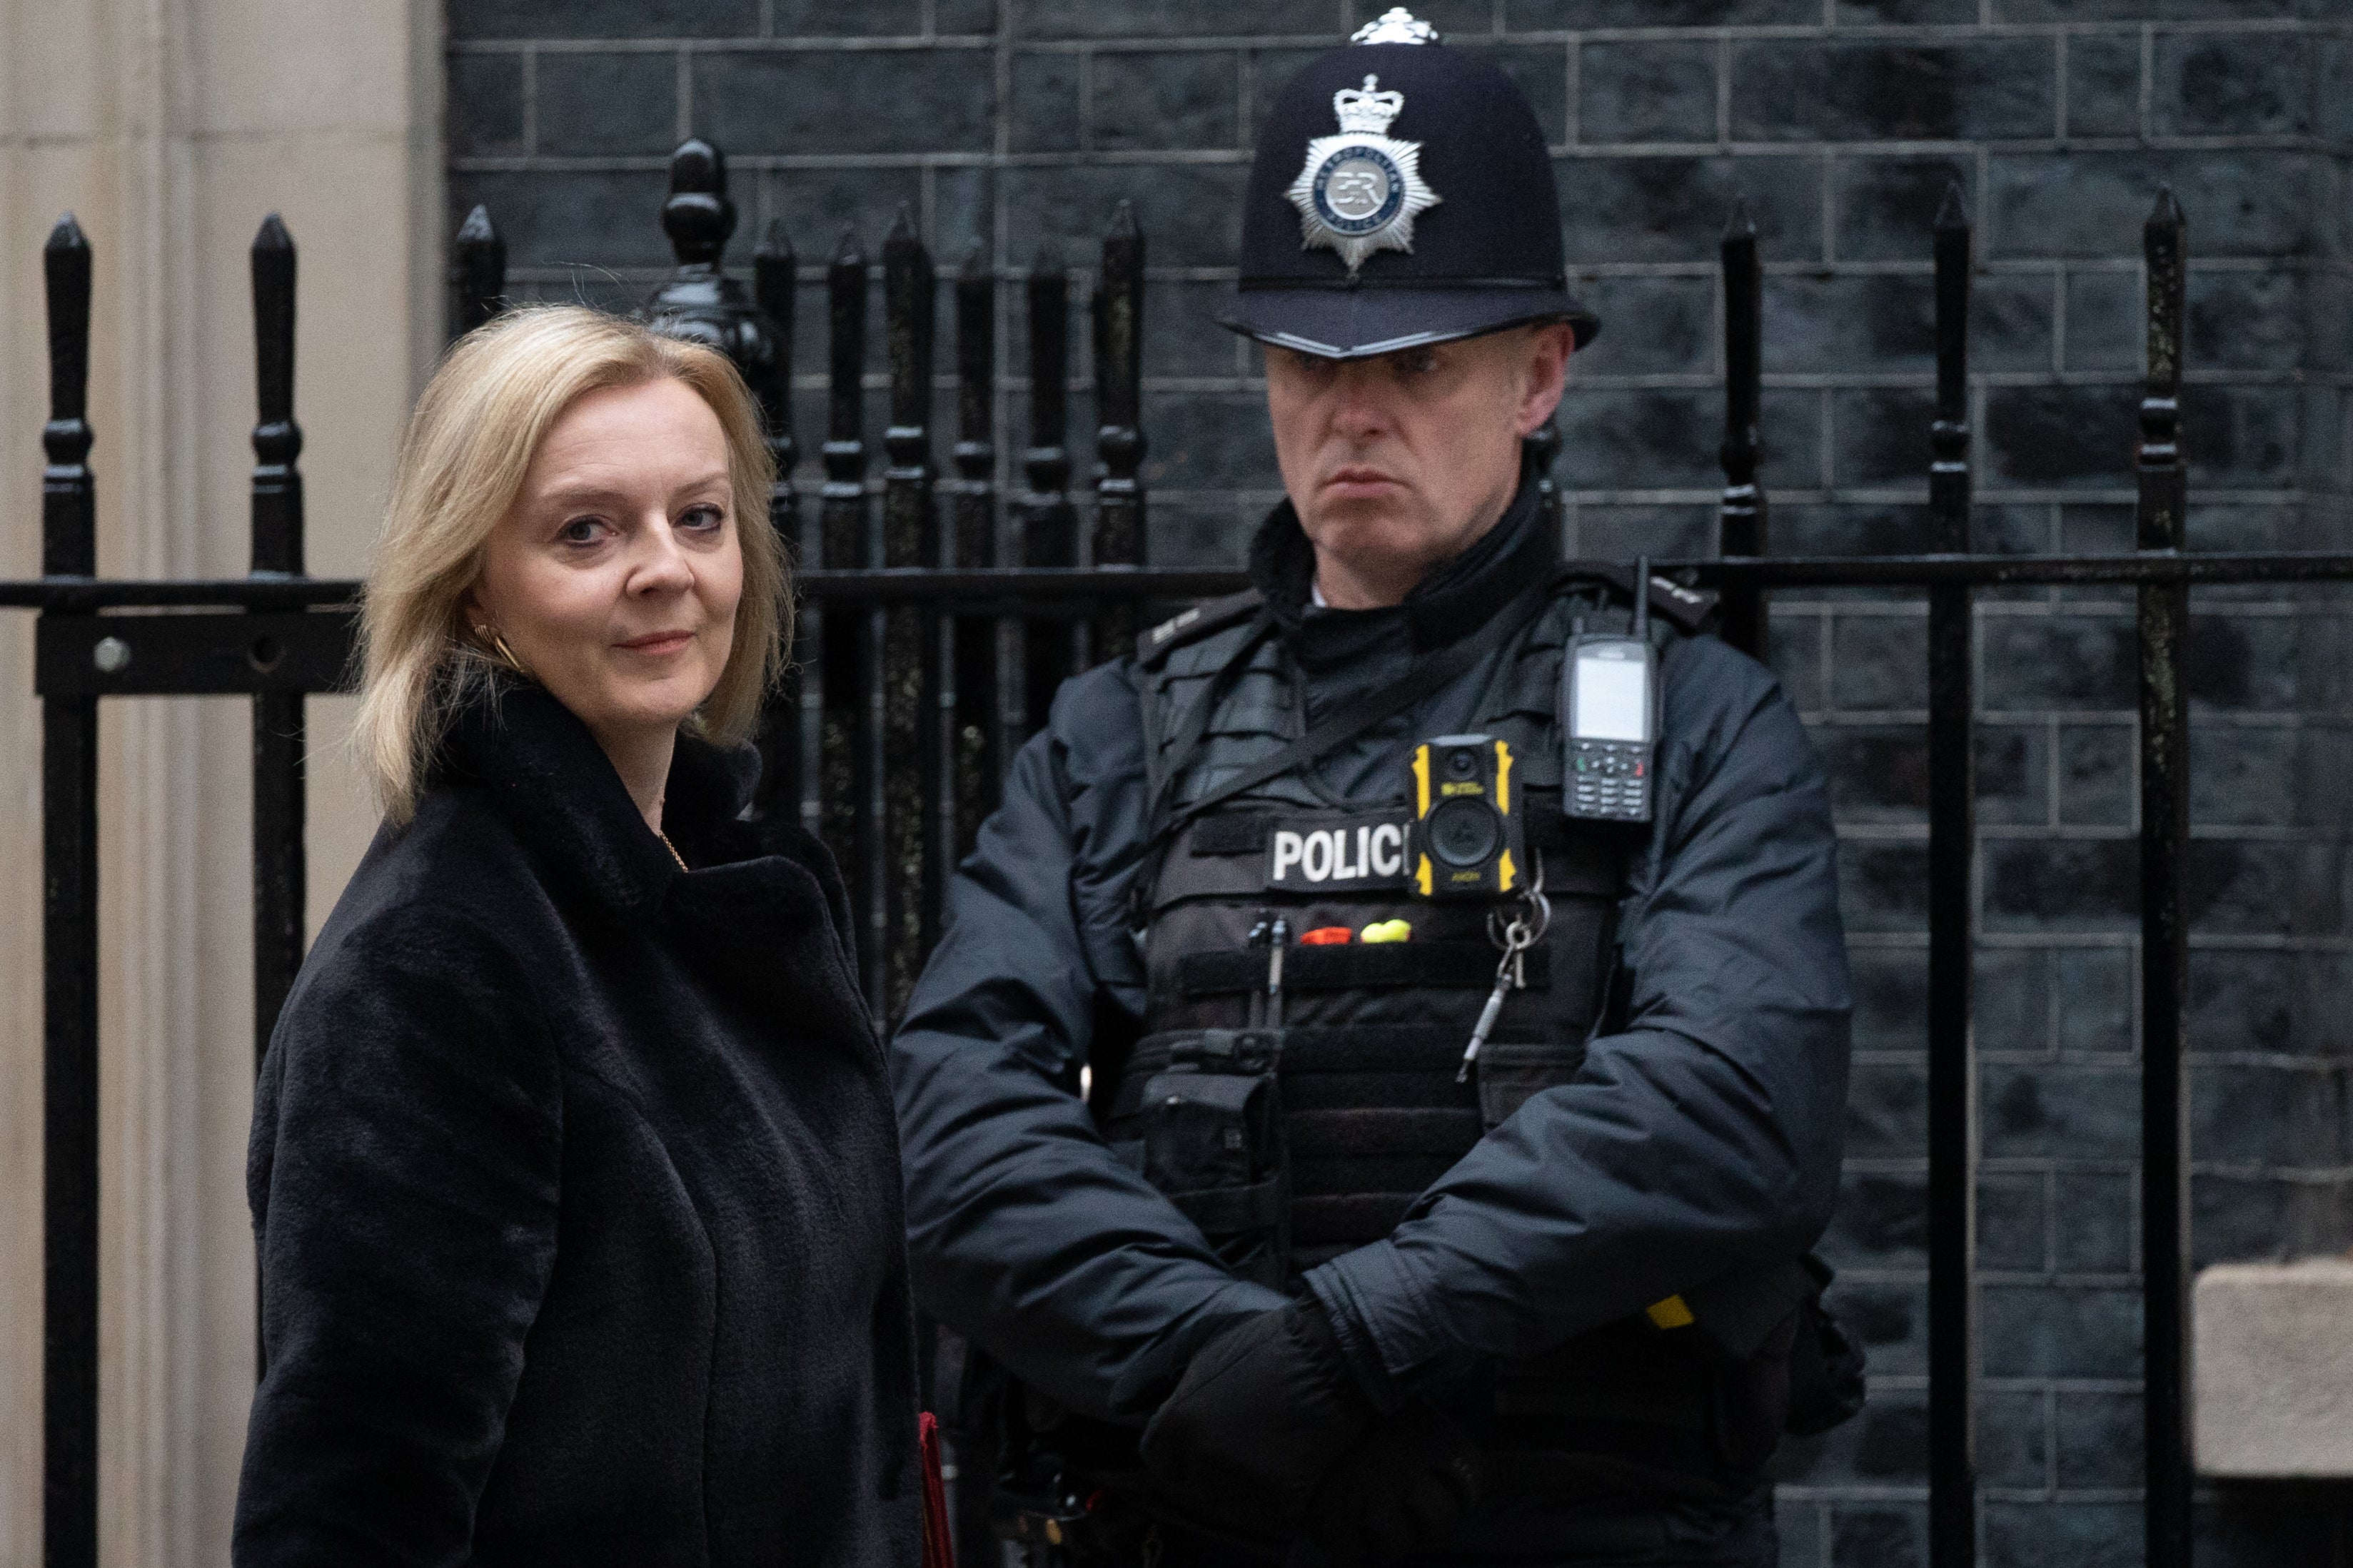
{"x": 1257, "y": 1421}
{"x": 1396, "y": 1492}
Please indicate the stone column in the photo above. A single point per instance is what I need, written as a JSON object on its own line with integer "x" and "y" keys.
{"x": 170, "y": 126}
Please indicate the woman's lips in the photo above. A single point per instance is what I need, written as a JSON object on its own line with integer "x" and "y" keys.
{"x": 657, "y": 642}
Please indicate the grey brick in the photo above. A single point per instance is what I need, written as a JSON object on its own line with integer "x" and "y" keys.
{"x": 485, "y": 106}
{"x": 814, "y": 204}
{"x": 2014, "y": 1439}
{"x": 1153, "y": 101}
{"x": 1535, "y": 16}
{"x": 1881, "y": 1222}
{"x": 2251, "y": 778}
{"x": 1675, "y": 208}
{"x": 2240, "y": 436}
{"x": 1887, "y": 207}
{"x": 1817, "y": 322}
{"x": 559, "y": 218}
{"x": 2095, "y": 775}
{"x": 1181, "y": 335}
{"x": 1196, "y": 535}
{"x": 1904, "y": 12}
{"x": 1886, "y": 1111}
{"x": 1635, "y": 91}
{"x": 1890, "y": 1011}
{"x": 1792, "y": 89}
{"x": 603, "y": 18}
{"x": 2061, "y": 661}
{"x": 2154, "y": 10}
{"x": 2061, "y": 436}
{"x": 1650, "y": 325}
{"x": 1149, "y": 18}
{"x": 1852, "y": 529}
{"x": 1880, "y": 662}
{"x": 1803, "y": 1530}
{"x": 2107, "y": 324}
{"x": 2269, "y": 889}
{"x": 1190, "y": 213}
{"x": 1879, "y": 1535}
{"x": 954, "y": 18}
{"x": 2093, "y": 1222}
{"x": 2023, "y": 528}
{"x": 2099, "y": 1439}
{"x": 1883, "y": 886}
{"x": 2256, "y": 1001}
{"x": 619, "y": 104}
{"x": 1890, "y": 1321}
{"x": 1877, "y": 774}
{"x": 1796, "y": 657}
{"x": 1883, "y": 435}
{"x": 2247, "y": 1114}
{"x": 1622, "y": 533}
{"x": 2090, "y": 529}
{"x": 869, "y": 18}
{"x": 2236, "y": 1218}
{"x": 2010, "y": 320}
{"x": 2050, "y": 1109}
{"x": 2094, "y": 990}
{"x": 2011, "y": 1220}
{"x": 2013, "y": 773}
{"x": 2232, "y": 84}
{"x": 896, "y": 100}
{"x": 1649, "y": 439}
{"x": 2104, "y": 84}
{"x": 1213, "y": 440}
{"x": 1043, "y": 111}
{"x": 2074, "y": 885}
{"x": 2070, "y": 1535}
{"x": 2093, "y": 203}
{"x": 2060, "y": 1331}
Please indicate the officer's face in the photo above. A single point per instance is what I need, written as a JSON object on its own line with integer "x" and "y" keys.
{"x": 1399, "y": 462}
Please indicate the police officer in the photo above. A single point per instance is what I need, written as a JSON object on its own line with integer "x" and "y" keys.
{"x": 1302, "y": 1268}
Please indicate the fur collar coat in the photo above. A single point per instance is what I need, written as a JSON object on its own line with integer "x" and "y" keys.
{"x": 577, "y": 1191}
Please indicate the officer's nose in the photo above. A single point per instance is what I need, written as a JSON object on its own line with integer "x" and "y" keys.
{"x": 1359, "y": 405}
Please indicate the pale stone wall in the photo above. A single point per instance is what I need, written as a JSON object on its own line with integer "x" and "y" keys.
{"x": 170, "y": 126}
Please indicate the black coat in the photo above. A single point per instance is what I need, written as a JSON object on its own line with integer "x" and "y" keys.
{"x": 577, "y": 1192}
{"x": 1704, "y": 1137}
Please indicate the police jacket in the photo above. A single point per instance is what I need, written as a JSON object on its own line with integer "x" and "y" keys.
{"x": 1699, "y": 1139}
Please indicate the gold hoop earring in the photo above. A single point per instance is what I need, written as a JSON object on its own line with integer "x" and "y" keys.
{"x": 499, "y": 646}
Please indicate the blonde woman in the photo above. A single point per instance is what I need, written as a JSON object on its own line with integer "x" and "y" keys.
{"x": 572, "y": 1166}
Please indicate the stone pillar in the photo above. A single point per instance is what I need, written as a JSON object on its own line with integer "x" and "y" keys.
{"x": 170, "y": 126}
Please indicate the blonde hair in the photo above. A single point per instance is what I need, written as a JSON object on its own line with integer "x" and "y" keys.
{"x": 462, "y": 462}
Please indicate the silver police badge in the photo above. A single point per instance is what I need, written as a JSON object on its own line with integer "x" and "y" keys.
{"x": 1361, "y": 190}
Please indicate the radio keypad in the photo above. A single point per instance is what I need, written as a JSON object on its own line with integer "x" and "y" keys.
{"x": 1611, "y": 780}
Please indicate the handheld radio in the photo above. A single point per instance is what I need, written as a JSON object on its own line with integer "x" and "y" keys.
{"x": 1609, "y": 700}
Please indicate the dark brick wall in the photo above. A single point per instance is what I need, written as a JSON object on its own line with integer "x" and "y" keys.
{"x": 1840, "y": 122}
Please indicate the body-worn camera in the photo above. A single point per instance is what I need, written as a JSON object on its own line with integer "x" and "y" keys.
{"x": 1466, "y": 840}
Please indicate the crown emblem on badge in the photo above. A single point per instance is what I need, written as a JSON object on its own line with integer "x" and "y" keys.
{"x": 1360, "y": 191}
{"x": 1397, "y": 26}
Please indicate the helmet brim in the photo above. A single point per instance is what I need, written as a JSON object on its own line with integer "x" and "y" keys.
{"x": 1358, "y": 323}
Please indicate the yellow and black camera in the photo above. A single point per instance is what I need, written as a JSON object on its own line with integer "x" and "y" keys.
{"x": 1466, "y": 839}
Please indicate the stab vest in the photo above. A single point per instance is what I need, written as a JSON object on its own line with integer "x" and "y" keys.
{"x": 1289, "y": 1139}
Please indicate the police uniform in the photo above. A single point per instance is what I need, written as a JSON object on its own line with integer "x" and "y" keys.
{"x": 1554, "y": 1291}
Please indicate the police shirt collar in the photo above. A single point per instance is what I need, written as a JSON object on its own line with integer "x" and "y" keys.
{"x": 1455, "y": 599}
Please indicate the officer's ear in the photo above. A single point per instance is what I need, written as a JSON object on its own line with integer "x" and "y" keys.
{"x": 1545, "y": 371}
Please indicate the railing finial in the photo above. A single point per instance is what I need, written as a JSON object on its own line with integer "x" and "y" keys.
{"x": 69, "y": 489}
{"x": 698, "y": 215}
{"x": 277, "y": 515}
{"x": 478, "y": 271}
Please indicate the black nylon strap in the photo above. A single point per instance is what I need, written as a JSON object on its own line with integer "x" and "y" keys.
{"x": 1353, "y": 719}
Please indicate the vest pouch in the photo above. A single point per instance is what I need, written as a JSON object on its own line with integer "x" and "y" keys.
{"x": 1211, "y": 1125}
{"x": 1510, "y": 1073}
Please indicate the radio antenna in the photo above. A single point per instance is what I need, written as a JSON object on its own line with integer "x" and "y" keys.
{"x": 1642, "y": 598}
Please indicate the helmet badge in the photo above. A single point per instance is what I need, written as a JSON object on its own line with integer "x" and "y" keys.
{"x": 1360, "y": 191}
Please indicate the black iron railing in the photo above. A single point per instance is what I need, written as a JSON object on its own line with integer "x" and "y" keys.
{"x": 926, "y": 653}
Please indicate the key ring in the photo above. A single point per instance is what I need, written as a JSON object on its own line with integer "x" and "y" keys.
{"x": 1516, "y": 933}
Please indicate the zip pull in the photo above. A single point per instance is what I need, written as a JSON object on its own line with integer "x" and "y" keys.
{"x": 1278, "y": 938}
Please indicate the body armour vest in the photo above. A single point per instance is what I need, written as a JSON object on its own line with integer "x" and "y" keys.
{"x": 1294, "y": 1097}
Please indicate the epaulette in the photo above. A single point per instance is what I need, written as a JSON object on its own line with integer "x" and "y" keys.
{"x": 1689, "y": 609}
{"x": 1209, "y": 616}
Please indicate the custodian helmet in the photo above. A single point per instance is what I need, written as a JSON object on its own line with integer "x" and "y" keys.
{"x": 1402, "y": 194}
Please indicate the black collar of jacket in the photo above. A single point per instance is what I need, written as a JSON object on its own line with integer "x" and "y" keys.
{"x": 1456, "y": 598}
{"x": 555, "y": 787}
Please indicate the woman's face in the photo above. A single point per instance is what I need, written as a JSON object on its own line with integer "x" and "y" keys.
{"x": 614, "y": 577}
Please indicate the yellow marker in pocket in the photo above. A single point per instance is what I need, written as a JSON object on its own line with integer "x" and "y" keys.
{"x": 1386, "y": 930}
{"x": 1671, "y": 1313}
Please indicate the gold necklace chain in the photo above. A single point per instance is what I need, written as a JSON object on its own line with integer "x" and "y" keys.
{"x": 673, "y": 848}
